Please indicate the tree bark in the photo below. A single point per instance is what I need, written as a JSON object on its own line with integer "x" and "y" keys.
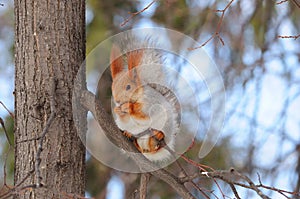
{"x": 49, "y": 49}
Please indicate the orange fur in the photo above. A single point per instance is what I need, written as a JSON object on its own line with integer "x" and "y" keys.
{"x": 155, "y": 142}
{"x": 116, "y": 61}
{"x": 134, "y": 59}
{"x": 158, "y": 135}
{"x": 135, "y": 110}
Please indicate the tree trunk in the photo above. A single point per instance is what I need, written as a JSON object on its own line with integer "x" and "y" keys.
{"x": 49, "y": 49}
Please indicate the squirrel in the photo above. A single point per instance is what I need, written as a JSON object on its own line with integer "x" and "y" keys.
{"x": 146, "y": 110}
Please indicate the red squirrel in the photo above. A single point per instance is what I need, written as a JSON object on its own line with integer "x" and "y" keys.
{"x": 146, "y": 110}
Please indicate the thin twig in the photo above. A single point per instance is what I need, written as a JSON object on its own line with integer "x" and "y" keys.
{"x": 10, "y": 113}
{"x": 281, "y": 2}
{"x": 15, "y": 191}
{"x": 289, "y": 36}
{"x": 133, "y": 14}
{"x": 4, "y": 172}
{"x": 5, "y": 164}
{"x": 252, "y": 185}
{"x": 200, "y": 190}
{"x": 217, "y": 31}
{"x": 226, "y": 176}
{"x": 5, "y": 132}
{"x": 236, "y": 194}
{"x": 196, "y": 164}
{"x": 280, "y": 191}
{"x": 25, "y": 178}
{"x": 10, "y": 191}
{"x": 190, "y": 177}
{"x": 28, "y": 140}
{"x": 294, "y": 1}
{"x": 203, "y": 168}
{"x": 184, "y": 172}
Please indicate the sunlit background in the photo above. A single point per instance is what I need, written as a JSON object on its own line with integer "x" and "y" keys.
{"x": 261, "y": 73}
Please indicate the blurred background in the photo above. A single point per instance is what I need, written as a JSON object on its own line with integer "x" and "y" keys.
{"x": 261, "y": 73}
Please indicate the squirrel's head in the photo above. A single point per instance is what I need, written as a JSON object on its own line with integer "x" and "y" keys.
{"x": 126, "y": 86}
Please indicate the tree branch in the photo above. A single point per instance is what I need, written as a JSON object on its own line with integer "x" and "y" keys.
{"x": 234, "y": 178}
{"x": 296, "y": 3}
{"x": 144, "y": 184}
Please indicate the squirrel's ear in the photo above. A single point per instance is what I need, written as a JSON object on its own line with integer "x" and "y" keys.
{"x": 134, "y": 59}
{"x": 116, "y": 61}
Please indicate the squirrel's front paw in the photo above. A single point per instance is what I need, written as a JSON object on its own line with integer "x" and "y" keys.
{"x": 122, "y": 110}
{"x": 125, "y": 108}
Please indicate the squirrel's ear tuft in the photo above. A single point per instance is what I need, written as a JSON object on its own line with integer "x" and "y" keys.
{"x": 116, "y": 61}
{"x": 134, "y": 58}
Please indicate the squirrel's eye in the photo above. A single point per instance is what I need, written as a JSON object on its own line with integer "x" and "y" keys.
{"x": 128, "y": 87}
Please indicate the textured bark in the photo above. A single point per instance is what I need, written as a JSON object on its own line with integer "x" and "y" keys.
{"x": 49, "y": 46}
